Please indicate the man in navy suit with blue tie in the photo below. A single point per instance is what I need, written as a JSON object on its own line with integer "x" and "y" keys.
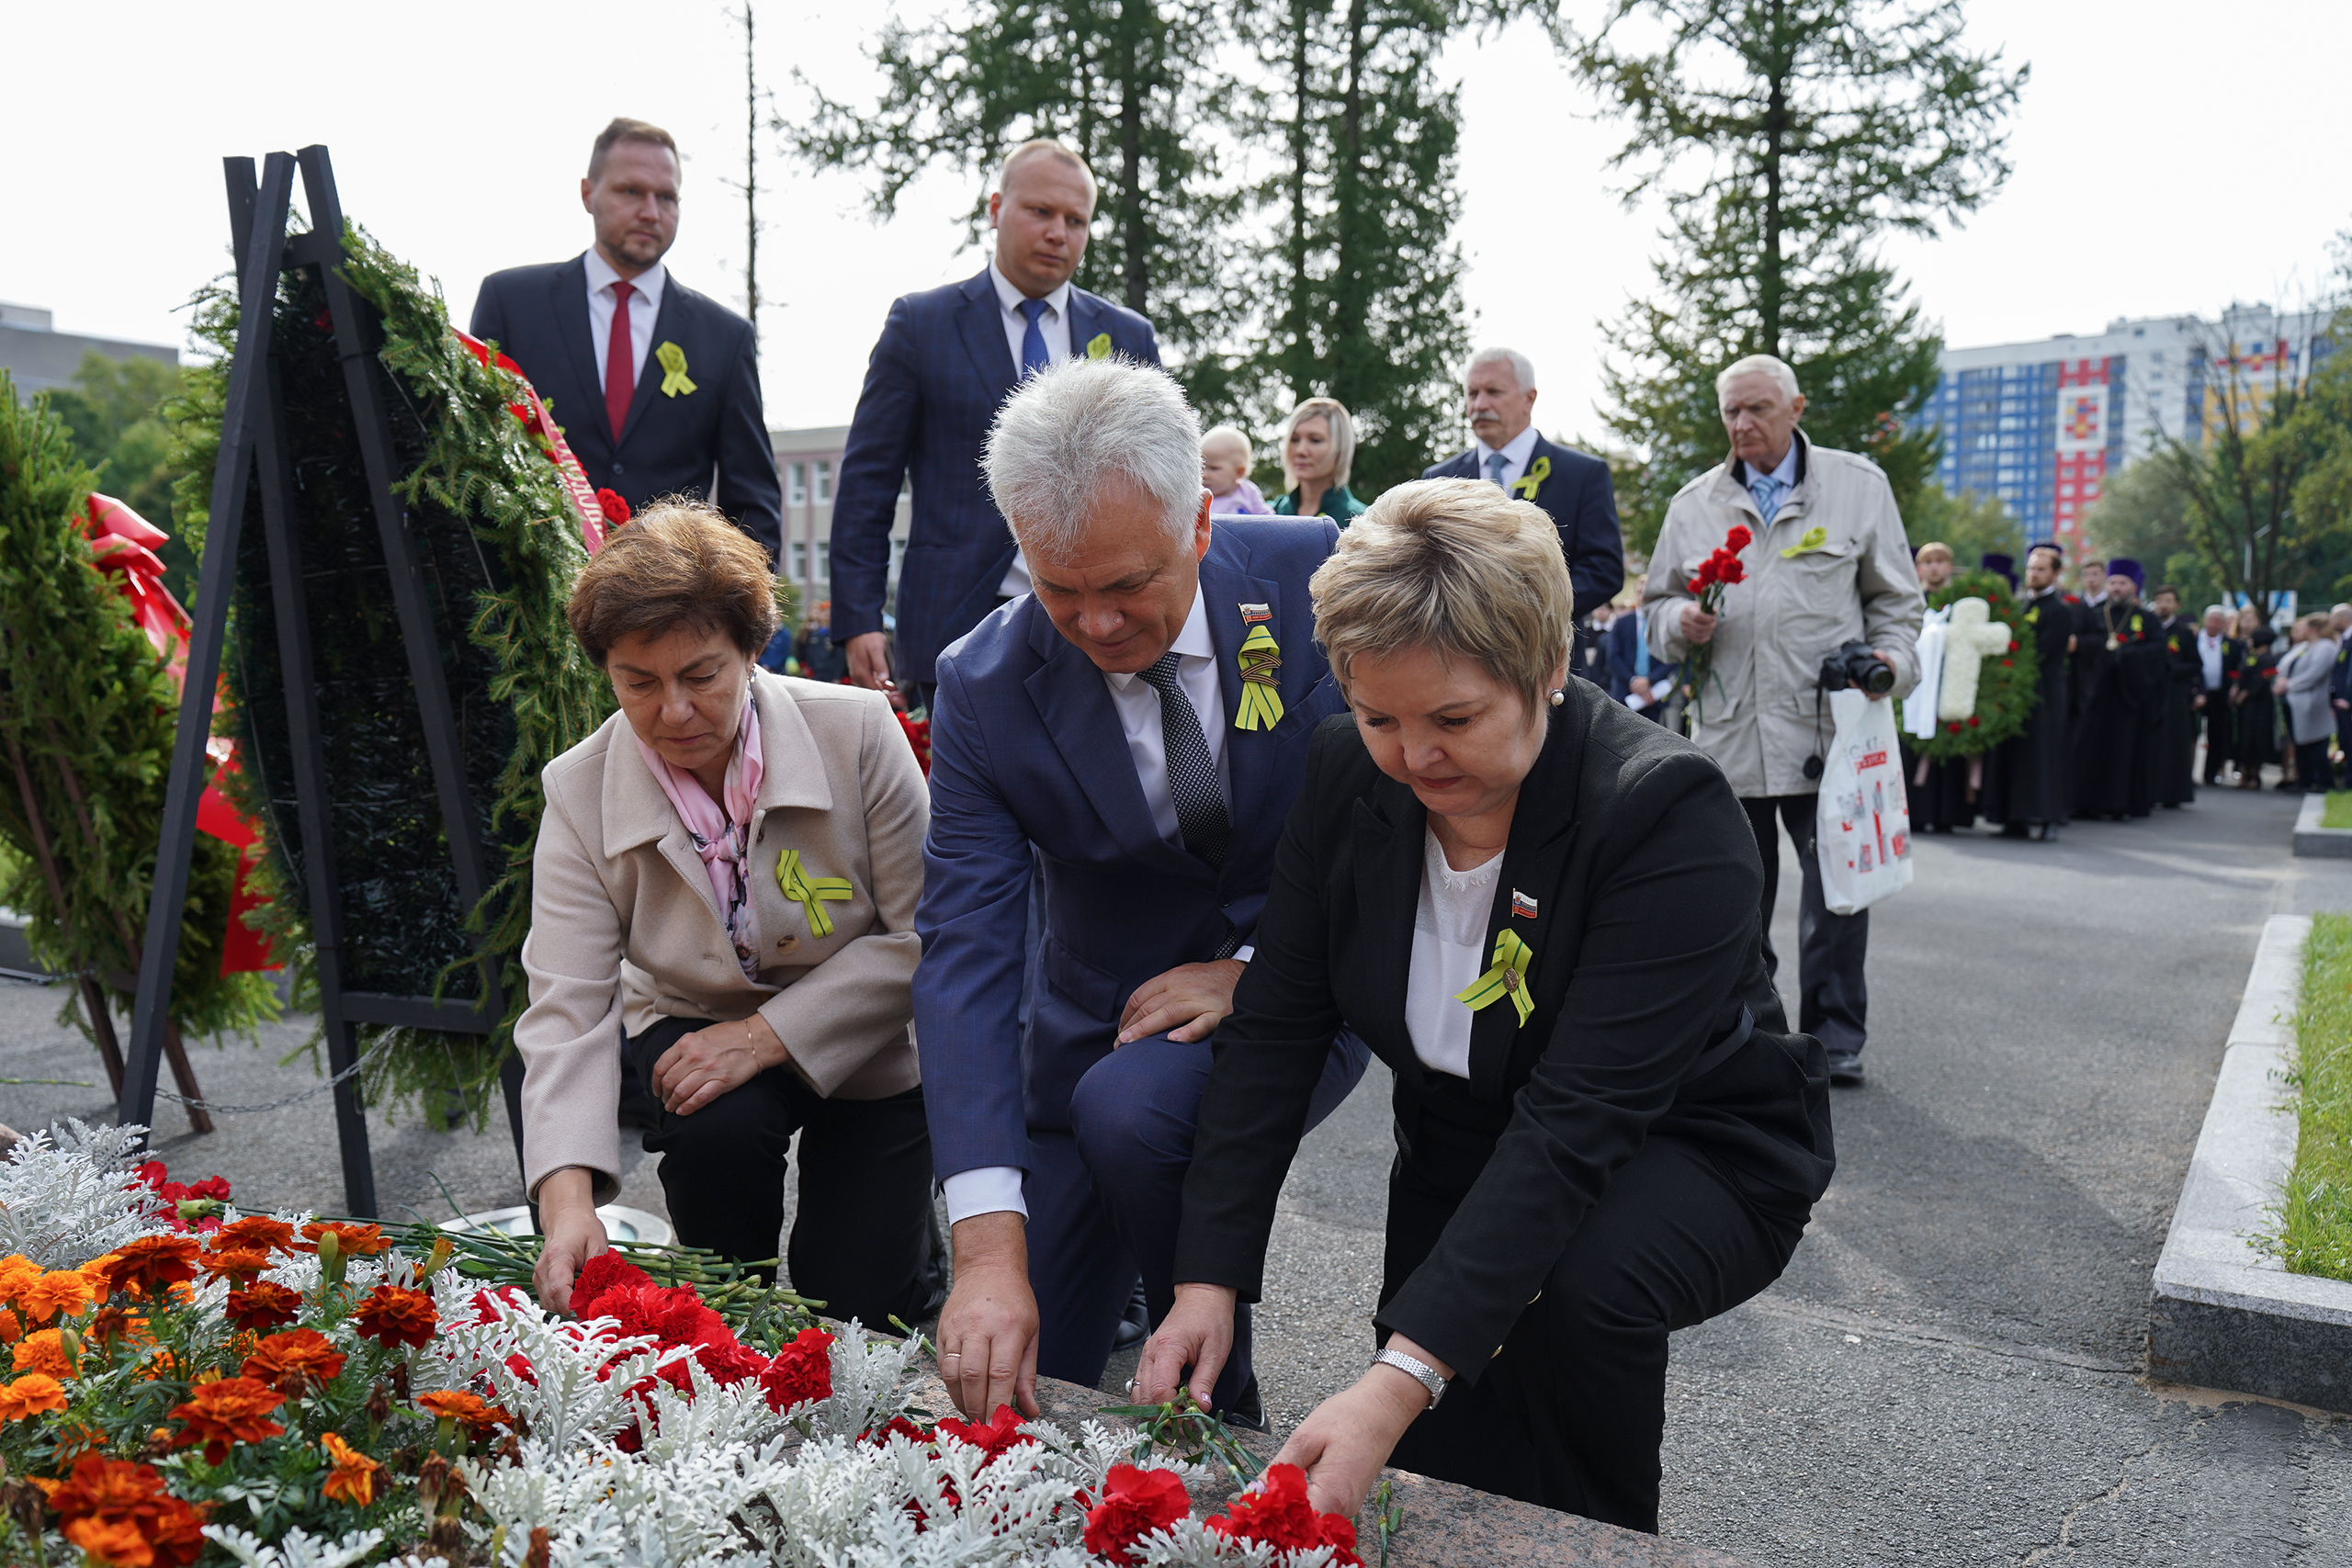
{"x": 1132, "y": 731}
{"x": 945, "y": 360}
{"x": 657, "y": 387}
{"x": 1499, "y": 399}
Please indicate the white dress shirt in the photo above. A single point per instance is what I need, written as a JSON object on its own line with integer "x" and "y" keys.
{"x": 1516, "y": 453}
{"x": 1054, "y": 327}
{"x": 989, "y": 1188}
{"x": 2208, "y": 655}
{"x": 1449, "y": 953}
{"x": 643, "y": 307}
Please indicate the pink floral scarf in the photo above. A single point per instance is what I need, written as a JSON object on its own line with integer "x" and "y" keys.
{"x": 722, "y": 835}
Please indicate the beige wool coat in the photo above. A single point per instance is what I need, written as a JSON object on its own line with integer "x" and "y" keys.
{"x": 625, "y": 931}
{"x": 1762, "y": 714}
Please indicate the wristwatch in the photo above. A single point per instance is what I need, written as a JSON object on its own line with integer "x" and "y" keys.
{"x": 1419, "y": 1372}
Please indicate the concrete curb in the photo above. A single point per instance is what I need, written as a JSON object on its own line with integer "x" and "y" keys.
{"x": 2225, "y": 1315}
{"x": 2310, "y": 838}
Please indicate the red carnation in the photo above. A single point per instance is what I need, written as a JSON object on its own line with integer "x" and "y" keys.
{"x": 1732, "y": 571}
{"x": 1737, "y": 539}
{"x": 1279, "y": 1515}
{"x": 802, "y": 1371}
{"x": 1134, "y": 1503}
{"x": 1953, "y": 726}
{"x": 605, "y": 1271}
{"x": 896, "y": 1427}
{"x": 2009, "y": 663}
{"x": 1001, "y": 1436}
{"x": 1972, "y": 721}
{"x": 616, "y": 511}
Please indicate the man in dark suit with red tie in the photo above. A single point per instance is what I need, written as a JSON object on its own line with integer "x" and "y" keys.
{"x": 657, "y": 387}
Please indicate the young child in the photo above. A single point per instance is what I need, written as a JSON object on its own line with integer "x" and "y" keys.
{"x": 1224, "y": 469}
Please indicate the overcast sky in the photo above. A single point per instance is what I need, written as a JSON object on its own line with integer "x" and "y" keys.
{"x": 2169, "y": 158}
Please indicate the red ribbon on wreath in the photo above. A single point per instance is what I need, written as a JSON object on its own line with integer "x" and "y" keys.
{"x": 597, "y": 513}
{"x": 123, "y": 546}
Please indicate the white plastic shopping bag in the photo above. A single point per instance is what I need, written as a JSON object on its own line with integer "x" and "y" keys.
{"x": 1863, "y": 829}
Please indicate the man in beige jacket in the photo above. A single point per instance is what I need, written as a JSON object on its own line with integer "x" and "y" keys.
{"x": 1828, "y": 565}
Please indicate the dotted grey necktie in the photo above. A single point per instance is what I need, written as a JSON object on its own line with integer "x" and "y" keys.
{"x": 1191, "y": 775}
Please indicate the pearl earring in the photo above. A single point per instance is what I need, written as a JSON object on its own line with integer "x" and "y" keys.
{"x": 1558, "y": 696}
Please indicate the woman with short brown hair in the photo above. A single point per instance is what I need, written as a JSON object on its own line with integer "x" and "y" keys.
{"x": 725, "y": 879}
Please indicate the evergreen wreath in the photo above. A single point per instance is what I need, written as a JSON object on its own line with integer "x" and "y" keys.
{"x": 499, "y": 543}
{"x": 2008, "y": 685}
{"x": 86, "y": 717}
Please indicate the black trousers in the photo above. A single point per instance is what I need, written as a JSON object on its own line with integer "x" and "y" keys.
{"x": 1571, "y": 1412}
{"x": 1833, "y": 998}
{"x": 2312, "y": 768}
{"x": 2217, "y": 732}
{"x": 863, "y": 1242}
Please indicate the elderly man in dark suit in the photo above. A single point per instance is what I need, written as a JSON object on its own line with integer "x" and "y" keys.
{"x": 945, "y": 360}
{"x": 1130, "y": 735}
{"x": 657, "y": 387}
{"x": 1498, "y": 399}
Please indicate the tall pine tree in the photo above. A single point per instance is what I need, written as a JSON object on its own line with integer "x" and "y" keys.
{"x": 1788, "y": 137}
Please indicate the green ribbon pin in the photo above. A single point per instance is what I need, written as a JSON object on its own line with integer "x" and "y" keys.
{"x": 1262, "y": 699}
{"x": 1507, "y": 979}
{"x": 806, "y": 891}
{"x": 674, "y": 369}
{"x": 1099, "y": 347}
{"x": 1815, "y": 538}
{"x": 1528, "y": 483}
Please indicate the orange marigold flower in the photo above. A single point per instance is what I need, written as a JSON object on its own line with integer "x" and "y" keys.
{"x": 255, "y": 1230}
{"x": 43, "y": 1351}
{"x": 300, "y": 1351}
{"x": 354, "y": 1481}
{"x": 153, "y": 1264}
{"x": 397, "y": 1316}
{"x": 467, "y": 1410}
{"x": 59, "y": 1290}
{"x": 238, "y": 1263}
{"x": 17, "y": 1272}
{"x": 105, "y": 1496}
{"x": 30, "y": 1395}
{"x": 262, "y": 1305}
{"x": 11, "y": 1330}
{"x": 233, "y": 1410}
{"x": 357, "y": 1241}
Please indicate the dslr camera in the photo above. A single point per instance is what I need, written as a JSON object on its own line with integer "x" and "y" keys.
{"x": 1857, "y": 666}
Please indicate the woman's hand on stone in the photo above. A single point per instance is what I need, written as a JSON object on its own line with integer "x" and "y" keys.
{"x": 1346, "y": 1440}
{"x": 707, "y": 1064}
{"x": 1197, "y": 1334}
{"x": 573, "y": 1234}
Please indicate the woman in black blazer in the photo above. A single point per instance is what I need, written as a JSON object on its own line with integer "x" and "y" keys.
{"x": 1606, "y": 1136}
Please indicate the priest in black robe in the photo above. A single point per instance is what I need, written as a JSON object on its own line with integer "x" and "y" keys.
{"x": 2026, "y": 776}
{"x": 2176, "y": 748}
{"x": 2121, "y": 729}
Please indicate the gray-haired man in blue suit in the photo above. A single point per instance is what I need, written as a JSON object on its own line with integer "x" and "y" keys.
{"x": 946, "y": 359}
{"x": 1131, "y": 732}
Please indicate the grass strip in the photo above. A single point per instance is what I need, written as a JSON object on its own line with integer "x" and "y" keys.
{"x": 2314, "y": 1235}
{"x": 2338, "y": 810}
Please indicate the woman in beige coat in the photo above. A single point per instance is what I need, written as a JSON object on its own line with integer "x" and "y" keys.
{"x": 726, "y": 876}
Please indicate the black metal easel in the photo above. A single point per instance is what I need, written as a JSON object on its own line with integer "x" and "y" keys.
{"x": 254, "y": 457}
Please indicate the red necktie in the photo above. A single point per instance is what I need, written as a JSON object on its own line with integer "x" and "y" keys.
{"x": 620, "y": 365}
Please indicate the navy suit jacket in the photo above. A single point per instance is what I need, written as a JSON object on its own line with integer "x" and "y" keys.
{"x": 1619, "y": 643}
{"x": 938, "y": 374}
{"x": 1030, "y": 768}
{"x": 670, "y": 444}
{"x": 1583, "y": 505}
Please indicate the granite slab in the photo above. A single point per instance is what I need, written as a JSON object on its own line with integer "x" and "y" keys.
{"x": 2310, "y": 838}
{"x": 1444, "y": 1524}
{"x": 2226, "y": 1314}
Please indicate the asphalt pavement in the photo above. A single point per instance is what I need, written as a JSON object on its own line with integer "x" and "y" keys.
{"x": 1951, "y": 1369}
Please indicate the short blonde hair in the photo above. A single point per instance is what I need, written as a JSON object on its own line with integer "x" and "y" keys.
{"x": 1335, "y": 417}
{"x": 1230, "y": 435}
{"x": 1457, "y": 567}
{"x": 1935, "y": 548}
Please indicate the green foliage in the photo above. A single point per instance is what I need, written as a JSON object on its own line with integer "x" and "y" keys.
{"x": 115, "y": 412}
{"x": 2142, "y": 514}
{"x": 1974, "y": 525}
{"x": 1788, "y": 136}
{"x": 2314, "y": 1214}
{"x": 2007, "y": 684}
{"x": 87, "y": 713}
{"x": 499, "y": 545}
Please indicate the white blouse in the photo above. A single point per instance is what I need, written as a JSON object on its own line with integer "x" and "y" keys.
{"x": 1449, "y": 953}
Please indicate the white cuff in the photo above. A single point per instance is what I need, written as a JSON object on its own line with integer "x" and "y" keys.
{"x": 988, "y": 1189}
{"x": 1243, "y": 953}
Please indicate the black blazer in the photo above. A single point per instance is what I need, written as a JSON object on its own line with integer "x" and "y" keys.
{"x": 1582, "y": 503}
{"x": 1647, "y": 949}
{"x": 670, "y": 444}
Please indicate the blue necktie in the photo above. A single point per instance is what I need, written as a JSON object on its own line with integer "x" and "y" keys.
{"x": 1762, "y": 487}
{"x": 1641, "y": 647}
{"x": 1034, "y": 356}
{"x": 1496, "y": 463}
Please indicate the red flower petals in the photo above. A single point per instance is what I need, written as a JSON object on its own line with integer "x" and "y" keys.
{"x": 1279, "y": 1515}
{"x": 801, "y": 1371}
{"x": 1136, "y": 1503}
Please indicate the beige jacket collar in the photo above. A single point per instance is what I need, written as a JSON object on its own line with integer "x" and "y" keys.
{"x": 793, "y": 774}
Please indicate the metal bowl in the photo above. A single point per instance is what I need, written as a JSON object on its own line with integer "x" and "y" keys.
{"x": 621, "y": 1223}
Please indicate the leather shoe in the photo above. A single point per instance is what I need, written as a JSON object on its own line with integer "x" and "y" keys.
{"x": 1134, "y": 1327}
{"x": 1846, "y": 1070}
{"x": 1247, "y": 1409}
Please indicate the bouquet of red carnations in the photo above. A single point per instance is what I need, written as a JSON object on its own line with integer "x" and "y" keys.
{"x": 1714, "y": 575}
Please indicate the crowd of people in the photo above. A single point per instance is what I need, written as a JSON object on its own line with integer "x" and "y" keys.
{"x": 1228, "y": 796}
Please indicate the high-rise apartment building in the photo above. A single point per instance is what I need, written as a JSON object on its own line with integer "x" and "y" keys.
{"x": 2043, "y": 424}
